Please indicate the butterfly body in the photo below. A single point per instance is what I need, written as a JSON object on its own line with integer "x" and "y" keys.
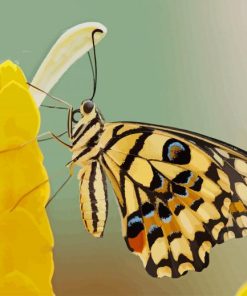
{"x": 180, "y": 193}
{"x": 85, "y": 148}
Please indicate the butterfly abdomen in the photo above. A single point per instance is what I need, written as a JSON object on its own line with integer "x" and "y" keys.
{"x": 93, "y": 198}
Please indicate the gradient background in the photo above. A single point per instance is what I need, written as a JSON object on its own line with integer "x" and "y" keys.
{"x": 178, "y": 63}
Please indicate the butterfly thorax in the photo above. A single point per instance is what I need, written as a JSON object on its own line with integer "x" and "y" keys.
{"x": 85, "y": 138}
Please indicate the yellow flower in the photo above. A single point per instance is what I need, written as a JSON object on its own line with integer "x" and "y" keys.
{"x": 242, "y": 291}
{"x": 26, "y": 262}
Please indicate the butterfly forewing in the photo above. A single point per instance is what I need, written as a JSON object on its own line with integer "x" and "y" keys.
{"x": 180, "y": 193}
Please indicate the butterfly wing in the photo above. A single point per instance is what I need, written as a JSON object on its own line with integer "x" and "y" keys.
{"x": 180, "y": 193}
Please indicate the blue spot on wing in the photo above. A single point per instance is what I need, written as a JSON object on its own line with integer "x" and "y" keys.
{"x": 134, "y": 220}
{"x": 135, "y": 225}
{"x": 164, "y": 213}
{"x": 153, "y": 234}
{"x": 147, "y": 210}
{"x": 152, "y": 228}
{"x": 150, "y": 214}
{"x": 188, "y": 180}
{"x": 167, "y": 220}
{"x": 174, "y": 145}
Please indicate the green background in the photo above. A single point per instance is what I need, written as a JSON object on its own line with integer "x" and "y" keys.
{"x": 178, "y": 63}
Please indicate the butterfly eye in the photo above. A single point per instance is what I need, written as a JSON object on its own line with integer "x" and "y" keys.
{"x": 76, "y": 116}
{"x": 88, "y": 106}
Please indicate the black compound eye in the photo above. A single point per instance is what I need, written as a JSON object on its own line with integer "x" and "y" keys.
{"x": 88, "y": 106}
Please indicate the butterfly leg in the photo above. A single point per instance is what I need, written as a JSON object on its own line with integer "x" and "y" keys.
{"x": 71, "y": 171}
{"x": 55, "y": 137}
{"x": 68, "y": 107}
{"x": 60, "y": 141}
{"x": 69, "y": 122}
{"x": 68, "y": 131}
{"x": 59, "y": 189}
{"x": 49, "y": 138}
{"x": 71, "y": 166}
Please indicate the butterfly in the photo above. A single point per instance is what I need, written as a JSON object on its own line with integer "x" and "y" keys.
{"x": 180, "y": 193}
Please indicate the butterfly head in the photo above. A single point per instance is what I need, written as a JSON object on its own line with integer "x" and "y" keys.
{"x": 87, "y": 107}
{"x": 86, "y": 112}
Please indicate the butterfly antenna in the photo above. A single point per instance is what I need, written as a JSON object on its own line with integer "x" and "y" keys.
{"x": 91, "y": 64}
{"x": 94, "y": 70}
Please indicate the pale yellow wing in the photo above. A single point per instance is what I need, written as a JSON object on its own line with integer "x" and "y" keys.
{"x": 180, "y": 193}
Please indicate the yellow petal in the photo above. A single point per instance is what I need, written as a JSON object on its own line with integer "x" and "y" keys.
{"x": 242, "y": 291}
{"x": 10, "y": 72}
{"x": 26, "y": 263}
{"x": 16, "y": 283}
{"x": 20, "y": 119}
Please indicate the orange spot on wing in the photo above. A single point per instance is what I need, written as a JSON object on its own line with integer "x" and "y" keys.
{"x": 237, "y": 207}
{"x": 137, "y": 243}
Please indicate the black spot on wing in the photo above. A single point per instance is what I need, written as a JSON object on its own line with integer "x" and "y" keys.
{"x": 183, "y": 177}
{"x": 173, "y": 236}
{"x": 164, "y": 212}
{"x": 166, "y": 196}
{"x": 178, "y": 209}
{"x": 154, "y": 233}
{"x": 147, "y": 209}
{"x": 212, "y": 172}
{"x": 180, "y": 190}
{"x": 198, "y": 184}
{"x": 134, "y": 230}
{"x": 177, "y": 152}
{"x": 196, "y": 204}
{"x": 134, "y": 224}
{"x": 156, "y": 181}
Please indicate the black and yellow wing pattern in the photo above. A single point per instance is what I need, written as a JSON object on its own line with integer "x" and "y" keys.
{"x": 180, "y": 193}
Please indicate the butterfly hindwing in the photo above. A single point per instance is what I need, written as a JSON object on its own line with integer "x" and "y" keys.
{"x": 178, "y": 194}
